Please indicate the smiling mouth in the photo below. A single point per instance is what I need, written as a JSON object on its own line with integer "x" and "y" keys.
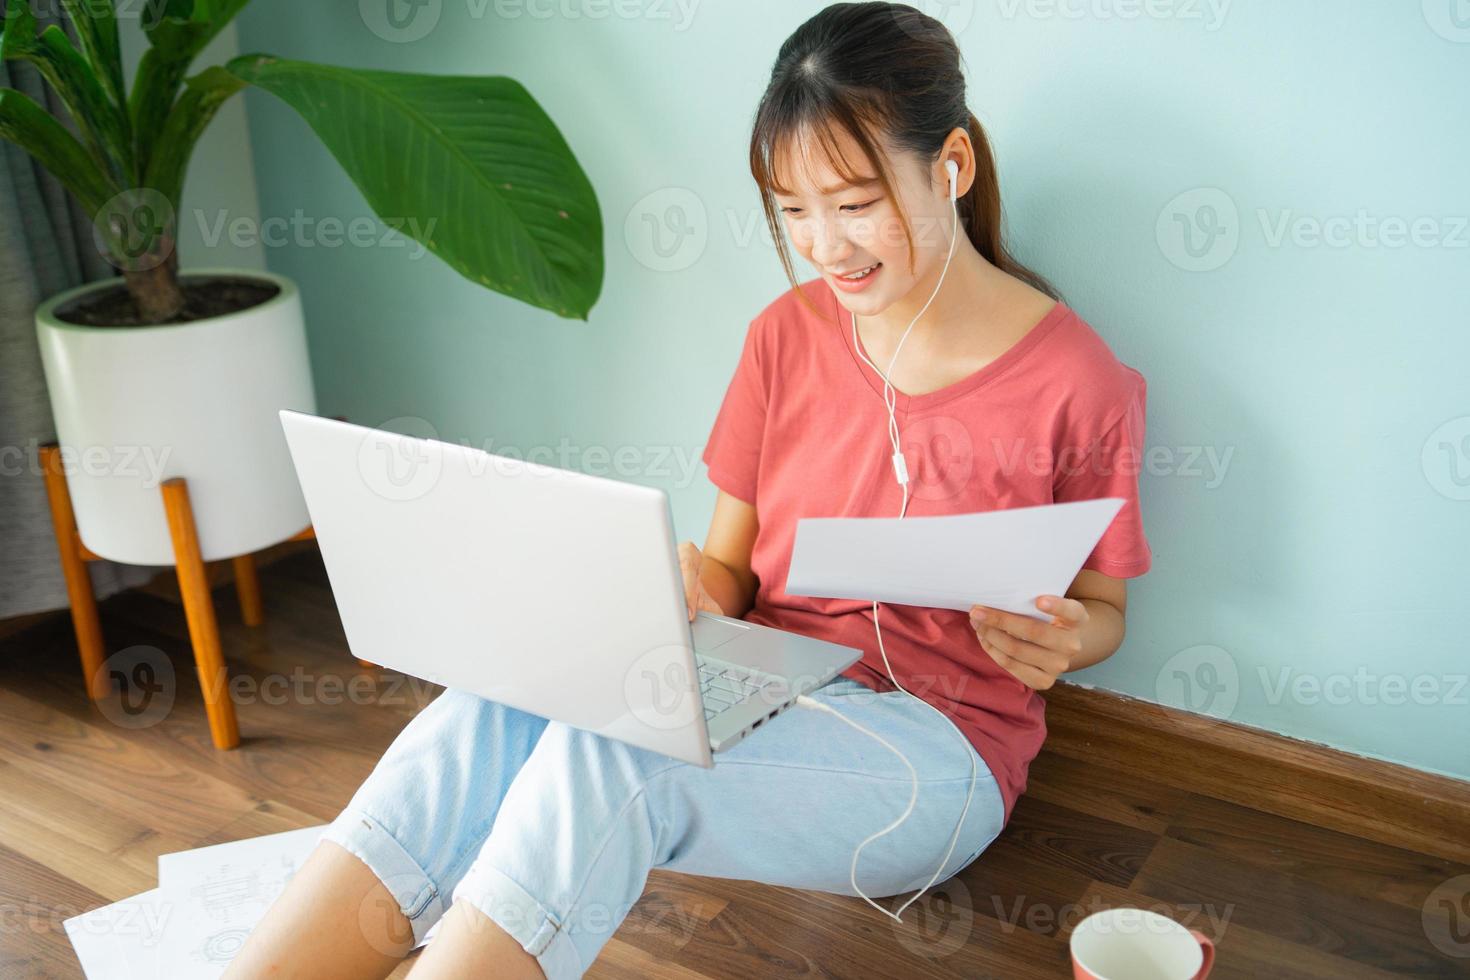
{"x": 860, "y": 273}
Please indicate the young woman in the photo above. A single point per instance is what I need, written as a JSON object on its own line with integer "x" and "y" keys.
{"x": 532, "y": 840}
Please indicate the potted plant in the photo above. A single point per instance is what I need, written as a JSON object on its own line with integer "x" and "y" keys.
{"x": 162, "y": 372}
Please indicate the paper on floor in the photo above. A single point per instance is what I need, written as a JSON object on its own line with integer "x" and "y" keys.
{"x": 217, "y": 894}
{"x": 119, "y": 941}
{"x": 190, "y": 927}
{"x": 1000, "y": 558}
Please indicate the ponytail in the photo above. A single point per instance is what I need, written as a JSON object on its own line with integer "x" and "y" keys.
{"x": 980, "y": 211}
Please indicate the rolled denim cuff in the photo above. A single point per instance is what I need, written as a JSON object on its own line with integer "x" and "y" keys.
{"x": 418, "y": 897}
{"x": 524, "y": 918}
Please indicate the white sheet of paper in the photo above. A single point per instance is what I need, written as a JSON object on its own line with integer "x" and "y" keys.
{"x": 190, "y": 926}
{"x": 217, "y": 894}
{"x": 220, "y": 893}
{"x": 1000, "y": 558}
{"x": 120, "y": 941}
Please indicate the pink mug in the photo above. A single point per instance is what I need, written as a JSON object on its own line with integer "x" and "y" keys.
{"x": 1135, "y": 944}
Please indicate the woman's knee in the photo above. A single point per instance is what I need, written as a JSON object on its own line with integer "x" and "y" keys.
{"x": 578, "y": 787}
{"x": 432, "y": 799}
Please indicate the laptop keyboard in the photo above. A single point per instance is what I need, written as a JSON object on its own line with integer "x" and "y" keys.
{"x": 723, "y": 685}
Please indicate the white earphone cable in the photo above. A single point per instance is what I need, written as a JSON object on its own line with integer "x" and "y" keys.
{"x": 890, "y": 400}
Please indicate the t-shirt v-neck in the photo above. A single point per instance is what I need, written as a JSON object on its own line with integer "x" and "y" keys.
{"x": 995, "y": 368}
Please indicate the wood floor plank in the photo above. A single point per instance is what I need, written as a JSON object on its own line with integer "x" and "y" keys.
{"x": 1010, "y": 885}
{"x": 1373, "y": 932}
{"x": 92, "y": 758}
{"x": 37, "y": 900}
{"x": 89, "y": 859}
{"x": 1328, "y": 858}
{"x": 305, "y": 750}
{"x": 1063, "y": 838}
{"x": 621, "y": 960}
{"x": 266, "y": 817}
{"x": 1103, "y": 791}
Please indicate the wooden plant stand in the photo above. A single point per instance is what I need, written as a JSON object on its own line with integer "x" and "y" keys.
{"x": 193, "y": 588}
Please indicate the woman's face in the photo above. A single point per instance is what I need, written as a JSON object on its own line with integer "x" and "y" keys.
{"x": 847, "y": 228}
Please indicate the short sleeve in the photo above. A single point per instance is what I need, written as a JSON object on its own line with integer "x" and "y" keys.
{"x": 1108, "y": 466}
{"x": 733, "y": 452}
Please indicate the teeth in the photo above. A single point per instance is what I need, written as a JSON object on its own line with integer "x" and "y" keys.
{"x": 861, "y": 272}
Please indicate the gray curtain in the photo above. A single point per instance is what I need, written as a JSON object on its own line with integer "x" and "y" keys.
{"x": 45, "y": 247}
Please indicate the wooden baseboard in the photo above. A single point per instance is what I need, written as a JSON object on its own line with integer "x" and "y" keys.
{"x": 1299, "y": 780}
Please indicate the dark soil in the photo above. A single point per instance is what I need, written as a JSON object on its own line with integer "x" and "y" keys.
{"x": 204, "y": 297}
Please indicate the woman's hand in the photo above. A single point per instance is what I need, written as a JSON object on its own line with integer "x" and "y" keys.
{"x": 1033, "y": 651}
{"x": 695, "y": 596}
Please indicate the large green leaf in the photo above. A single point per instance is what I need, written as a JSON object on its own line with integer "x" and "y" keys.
{"x": 177, "y": 31}
{"x": 490, "y": 184}
{"x": 96, "y": 25}
{"x": 98, "y": 119}
{"x": 186, "y": 26}
{"x": 192, "y": 113}
{"x": 36, "y": 131}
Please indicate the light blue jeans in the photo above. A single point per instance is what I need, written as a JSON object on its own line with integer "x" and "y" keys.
{"x": 551, "y": 831}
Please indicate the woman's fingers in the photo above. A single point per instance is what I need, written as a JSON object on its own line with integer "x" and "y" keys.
{"x": 689, "y": 561}
{"x": 1067, "y": 613}
{"x": 1023, "y": 651}
{"x": 1025, "y": 661}
{"x": 696, "y": 598}
{"x": 707, "y": 602}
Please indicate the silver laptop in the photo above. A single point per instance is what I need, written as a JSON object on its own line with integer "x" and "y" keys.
{"x": 544, "y": 589}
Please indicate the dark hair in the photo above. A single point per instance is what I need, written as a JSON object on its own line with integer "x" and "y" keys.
{"x": 877, "y": 68}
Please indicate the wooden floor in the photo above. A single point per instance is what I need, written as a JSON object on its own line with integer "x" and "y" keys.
{"x": 86, "y": 807}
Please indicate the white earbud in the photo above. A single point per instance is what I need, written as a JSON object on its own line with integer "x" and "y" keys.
{"x": 954, "y": 178}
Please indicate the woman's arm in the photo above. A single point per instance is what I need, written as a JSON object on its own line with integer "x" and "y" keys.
{"x": 1106, "y": 599}
{"x": 725, "y": 571}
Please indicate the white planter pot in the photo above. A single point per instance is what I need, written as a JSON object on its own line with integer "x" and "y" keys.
{"x": 135, "y": 406}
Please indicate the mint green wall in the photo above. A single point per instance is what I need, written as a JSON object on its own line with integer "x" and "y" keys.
{"x": 1309, "y": 406}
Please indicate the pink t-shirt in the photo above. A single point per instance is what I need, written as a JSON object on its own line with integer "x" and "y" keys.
{"x": 802, "y": 432}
